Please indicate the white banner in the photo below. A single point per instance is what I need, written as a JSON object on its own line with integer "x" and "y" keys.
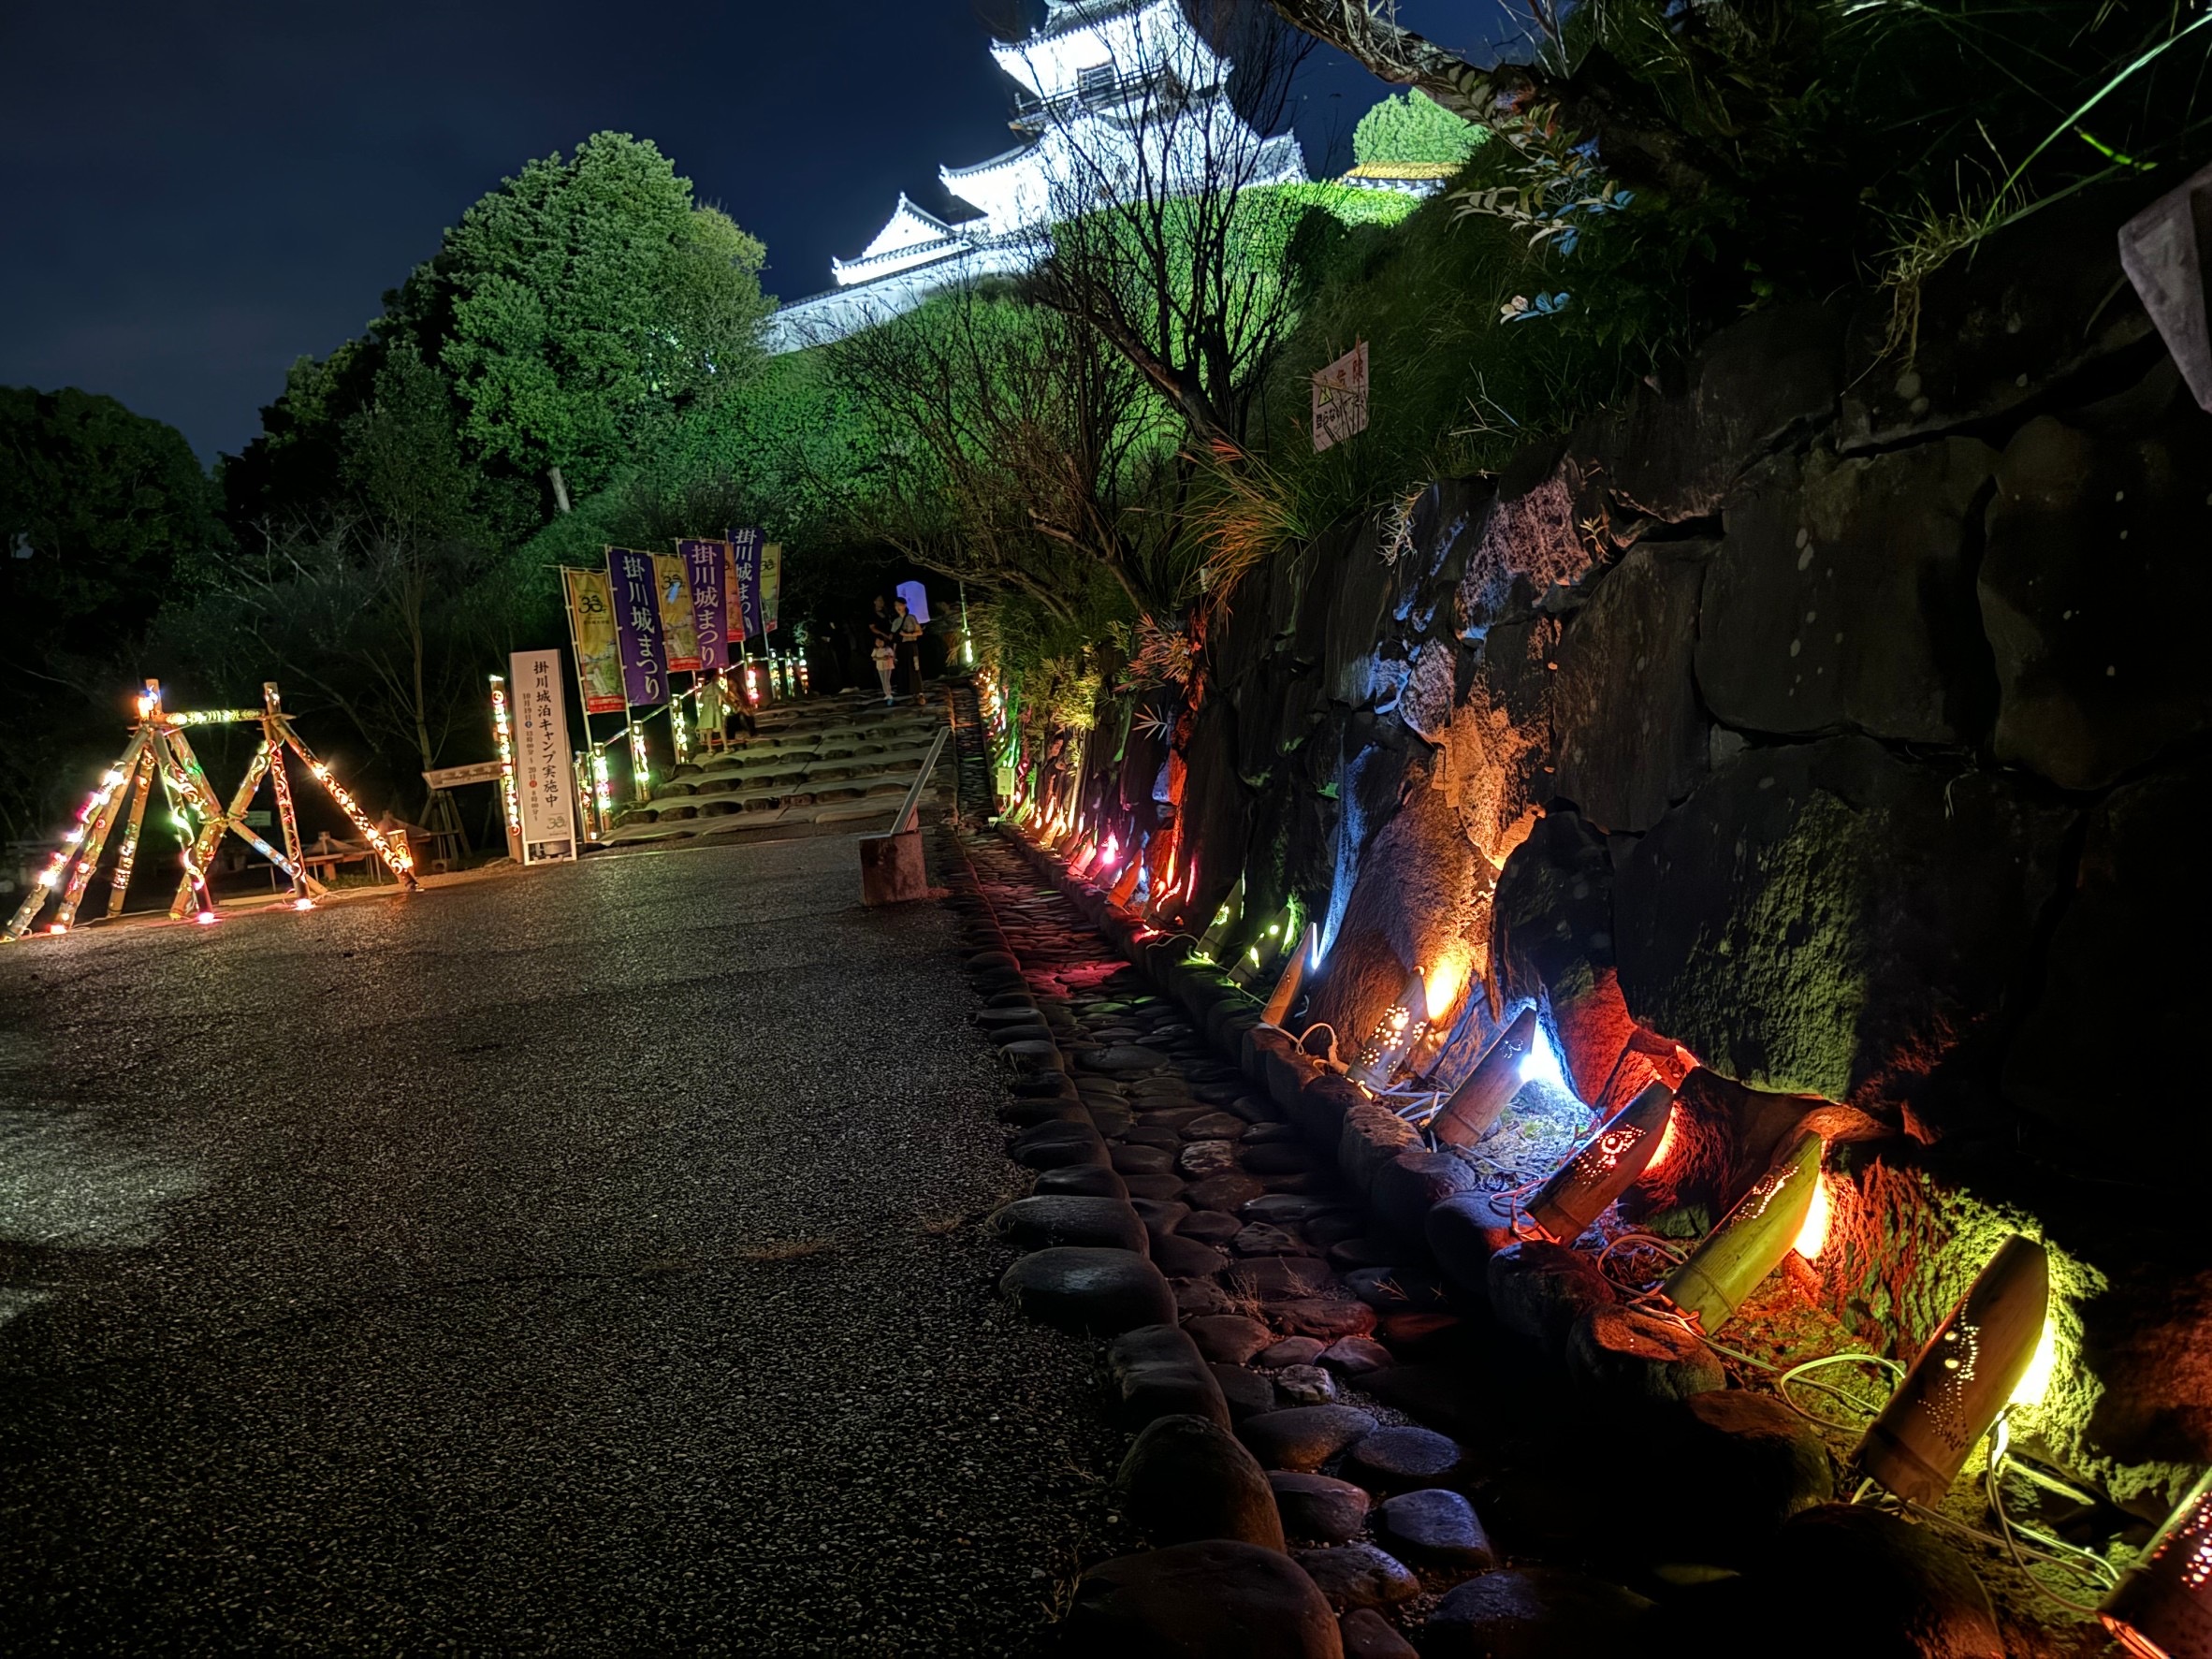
{"x": 544, "y": 789}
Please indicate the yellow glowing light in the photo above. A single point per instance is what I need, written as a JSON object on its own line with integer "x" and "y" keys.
{"x": 1443, "y": 982}
{"x": 1812, "y": 1237}
{"x": 1666, "y": 1140}
{"x": 2035, "y": 1382}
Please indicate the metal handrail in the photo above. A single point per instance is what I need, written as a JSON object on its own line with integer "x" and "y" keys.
{"x": 911, "y": 807}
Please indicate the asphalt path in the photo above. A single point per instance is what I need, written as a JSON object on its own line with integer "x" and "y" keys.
{"x": 582, "y": 1260}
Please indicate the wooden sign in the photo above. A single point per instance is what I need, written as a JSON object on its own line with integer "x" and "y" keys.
{"x": 1340, "y": 399}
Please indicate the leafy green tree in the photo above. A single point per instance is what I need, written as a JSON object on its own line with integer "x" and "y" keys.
{"x": 1413, "y": 127}
{"x": 103, "y": 515}
{"x": 591, "y": 301}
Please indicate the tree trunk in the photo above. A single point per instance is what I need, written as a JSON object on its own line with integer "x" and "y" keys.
{"x": 560, "y": 488}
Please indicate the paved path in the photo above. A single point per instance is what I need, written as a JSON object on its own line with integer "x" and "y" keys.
{"x": 582, "y": 1263}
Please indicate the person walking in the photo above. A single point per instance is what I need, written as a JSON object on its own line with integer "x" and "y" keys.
{"x": 905, "y": 638}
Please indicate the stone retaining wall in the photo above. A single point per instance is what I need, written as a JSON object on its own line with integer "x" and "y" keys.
{"x": 1821, "y": 734}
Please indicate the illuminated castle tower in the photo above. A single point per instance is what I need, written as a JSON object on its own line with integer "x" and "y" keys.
{"x": 1106, "y": 91}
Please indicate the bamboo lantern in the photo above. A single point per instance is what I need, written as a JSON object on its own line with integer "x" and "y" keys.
{"x": 1293, "y": 976}
{"x": 1490, "y": 1088}
{"x": 2162, "y": 1607}
{"x": 1963, "y": 1378}
{"x": 1126, "y": 887}
{"x": 1225, "y": 919}
{"x": 1751, "y": 1240}
{"x": 1602, "y": 1170}
{"x": 1265, "y": 948}
{"x": 1405, "y": 1023}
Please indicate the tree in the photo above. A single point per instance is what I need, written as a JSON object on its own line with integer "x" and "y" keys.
{"x": 590, "y": 299}
{"x": 1413, "y": 127}
{"x": 1163, "y": 239}
{"x": 1018, "y": 449}
{"x": 103, "y": 515}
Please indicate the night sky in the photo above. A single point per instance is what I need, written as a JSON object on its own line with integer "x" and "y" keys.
{"x": 193, "y": 196}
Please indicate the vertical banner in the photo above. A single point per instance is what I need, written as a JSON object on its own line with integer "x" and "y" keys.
{"x": 745, "y": 584}
{"x": 591, "y": 631}
{"x": 637, "y": 627}
{"x": 771, "y": 584}
{"x": 678, "y": 639}
{"x": 544, "y": 791}
{"x": 702, "y": 567}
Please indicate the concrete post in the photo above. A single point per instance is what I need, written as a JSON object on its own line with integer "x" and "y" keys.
{"x": 891, "y": 868}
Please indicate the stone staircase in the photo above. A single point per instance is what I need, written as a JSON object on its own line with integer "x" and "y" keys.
{"x": 835, "y": 765}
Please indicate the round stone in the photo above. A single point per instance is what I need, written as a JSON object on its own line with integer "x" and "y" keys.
{"x": 1090, "y": 1290}
{"x": 1230, "y": 1338}
{"x": 1435, "y": 1525}
{"x": 1218, "y": 1597}
{"x": 1293, "y": 1350}
{"x": 1635, "y": 1352}
{"x": 1359, "y": 1575}
{"x": 1186, "y": 1258}
{"x": 1122, "y": 1060}
{"x": 1304, "y": 1437}
{"x": 1048, "y": 1218}
{"x": 1532, "y": 1613}
{"x": 1202, "y": 1159}
{"x": 1304, "y": 1385}
{"x": 1319, "y": 1507}
{"x": 1396, "y": 1458}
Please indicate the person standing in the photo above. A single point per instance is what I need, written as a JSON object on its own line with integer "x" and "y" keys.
{"x": 883, "y": 652}
{"x": 906, "y": 637}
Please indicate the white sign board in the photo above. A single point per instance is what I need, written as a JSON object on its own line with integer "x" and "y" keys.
{"x": 544, "y": 790}
{"x": 1340, "y": 399}
{"x": 476, "y": 772}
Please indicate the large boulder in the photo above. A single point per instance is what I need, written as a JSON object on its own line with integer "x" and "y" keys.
{"x": 1828, "y": 918}
{"x": 1187, "y": 1479}
{"x": 2095, "y": 582}
{"x": 1849, "y": 1581}
{"x": 1631, "y": 734}
{"x": 1642, "y": 1355}
{"x": 1539, "y": 1291}
{"x": 1843, "y": 596}
{"x": 2136, "y": 904}
{"x": 2038, "y": 304}
{"x": 1751, "y": 387}
{"x": 1216, "y": 1599}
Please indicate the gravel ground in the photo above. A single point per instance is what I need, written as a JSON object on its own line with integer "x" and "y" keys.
{"x": 581, "y": 1262}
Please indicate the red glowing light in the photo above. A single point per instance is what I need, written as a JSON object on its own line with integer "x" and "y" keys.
{"x": 303, "y": 903}
{"x": 1659, "y": 1153}
{"x": 206, "y": 918}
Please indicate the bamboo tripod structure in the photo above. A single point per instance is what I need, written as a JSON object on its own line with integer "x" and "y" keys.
{"x": 158, "y": 748}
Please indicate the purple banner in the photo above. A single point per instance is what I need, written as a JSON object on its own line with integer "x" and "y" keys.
{"x": 703, "y": 563}
{"x": 745, "y": 581}
{"x": 637, "y": 627}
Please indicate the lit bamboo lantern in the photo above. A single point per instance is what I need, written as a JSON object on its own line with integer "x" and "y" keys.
{"x": 1482, "y": 1099}
{"x": 1963, "y": 1378}
{"x": 1405, "y": 1023}
{"x": 1265, "y": 949}
{"x": 1226, "y": 918}
{"x": 2162, "y": 1607}
{"x": 1602, "y": 1170}
{"x": 1293, "y": 976}
{"x": 1751, "y": 1240}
